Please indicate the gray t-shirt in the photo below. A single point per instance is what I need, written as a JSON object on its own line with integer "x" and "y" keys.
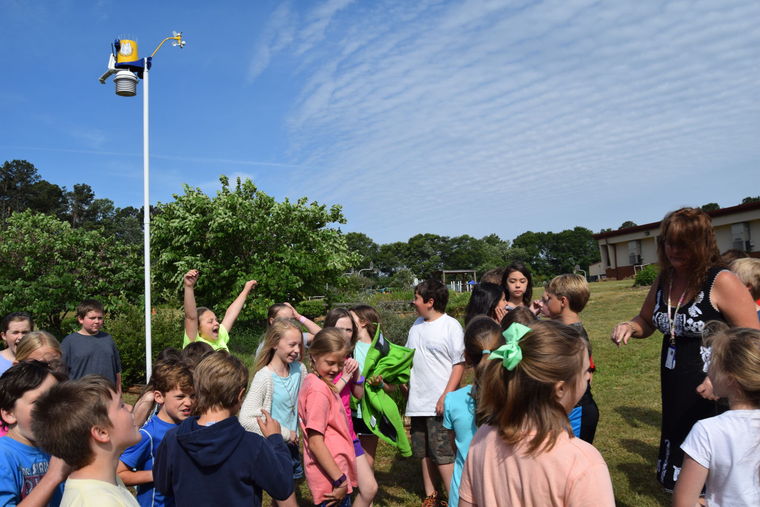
{"x": 91, "y": 355}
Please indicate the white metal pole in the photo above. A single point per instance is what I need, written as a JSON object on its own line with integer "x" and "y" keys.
{"x": 146, "y": 222}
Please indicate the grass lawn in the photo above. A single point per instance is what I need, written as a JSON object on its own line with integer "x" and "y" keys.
{"x": 626, "y": 388}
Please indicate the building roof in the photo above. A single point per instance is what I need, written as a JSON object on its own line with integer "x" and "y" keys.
{"x": 655, "y": 225}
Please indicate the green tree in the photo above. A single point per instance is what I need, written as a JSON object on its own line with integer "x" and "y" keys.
{"x": 750, "y": 199}
{"x": 710, "y": 206}
{"x": 48, "y": 268}
{"x": 628, "y": 223}
{"x": 242, "y": 234}
{"x": 16, "y": 180}
{"x": 362, "y": 245}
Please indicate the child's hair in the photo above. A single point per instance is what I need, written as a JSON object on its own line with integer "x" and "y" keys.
{"x": 328, "y": 341}
{"x": 481, "y": 336}
{"x": 16, "y": 317}
{"x": 201, "y": 310}
{"x": 274, "y": 310}
{"x": 170, "y": 374}
{"x": 483, "y": 301}
{"x": 87, "y": 306}
{"x": 63, "y": 418}
{"x": 520, "y": 314}
{"x": 573, "y": 287}
{"x": 435, "y": 290}
{"x": 33, "y": 341}
{"x": 736, "y": 353}
{"x": 731, "y": 255}
{"x": 274, "y": 334}
{"x": 170, "y": 353}
{"x": 748, "y": 271}
{"x": 195, "y": 352}
{"x": 20, "y": 378}
{"x": 523, "y": 400}
{"x": 368, "y": 314}
{"x": 220, "y": 379}
{"x": 492, "y": 276}
{"x": 335, "y": 314}
{"x": 519, "y": 266}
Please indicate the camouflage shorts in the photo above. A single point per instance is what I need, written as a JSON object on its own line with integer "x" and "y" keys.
{"x": 431, "y": 440}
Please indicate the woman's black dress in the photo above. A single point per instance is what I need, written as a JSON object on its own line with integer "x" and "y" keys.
{"x": 682, "y": 406}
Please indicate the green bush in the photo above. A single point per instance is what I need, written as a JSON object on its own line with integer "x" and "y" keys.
{"x": 128, "y": 330}
{"x": 245, "y": 337}
{"x": 646, "y": 276}
{"x": 312, "y": 308}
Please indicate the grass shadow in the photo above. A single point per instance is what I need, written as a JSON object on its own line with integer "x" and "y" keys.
{"x": 639, "y": 416}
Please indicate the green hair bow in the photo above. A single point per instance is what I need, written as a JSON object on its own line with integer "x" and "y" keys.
{"x": 510, "y": 353}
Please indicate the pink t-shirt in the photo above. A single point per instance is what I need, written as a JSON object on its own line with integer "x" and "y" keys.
{"x": 345, "y": 398}
{"x": 572, "y": 474}
{"x": 321, "y": 410}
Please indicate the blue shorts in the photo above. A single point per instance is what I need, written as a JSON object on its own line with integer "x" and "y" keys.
{"x": 346, "y": 502}
{"x": 295, "y": 456}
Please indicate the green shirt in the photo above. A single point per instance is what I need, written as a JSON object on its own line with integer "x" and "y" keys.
{"x": 219, "y": 343}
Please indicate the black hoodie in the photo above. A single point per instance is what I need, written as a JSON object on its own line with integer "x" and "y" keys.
{"x": 222, "y": 464}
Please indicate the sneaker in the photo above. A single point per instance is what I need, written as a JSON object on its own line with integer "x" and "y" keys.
{"x": 430, "y": 501}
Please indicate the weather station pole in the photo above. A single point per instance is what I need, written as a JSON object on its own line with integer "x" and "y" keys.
{"x": 128, "y": 68}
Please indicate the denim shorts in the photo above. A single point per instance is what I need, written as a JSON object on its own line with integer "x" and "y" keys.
{"x": 295, "y": 456}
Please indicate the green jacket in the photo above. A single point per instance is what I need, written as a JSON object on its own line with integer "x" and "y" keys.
{"x": 379, "y": 411}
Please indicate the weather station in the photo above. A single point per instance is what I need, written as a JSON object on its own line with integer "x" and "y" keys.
{"x": 128, "y": 68}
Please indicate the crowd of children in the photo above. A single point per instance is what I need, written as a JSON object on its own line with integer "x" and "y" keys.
{"x": 322, "y": 397}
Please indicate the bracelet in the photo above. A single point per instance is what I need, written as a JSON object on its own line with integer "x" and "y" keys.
{"x": 340, "y": 480}
{"x": 360, "y": 381}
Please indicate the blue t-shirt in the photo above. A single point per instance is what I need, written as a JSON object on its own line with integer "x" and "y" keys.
{"x": 360, "y": 354}
{"x": 4, "y": 364}
{"x": 140, "y": 457}
{"x": 285, "y": 396}
{"x": 22, "y": 468}
{"x": 459, "y": 415}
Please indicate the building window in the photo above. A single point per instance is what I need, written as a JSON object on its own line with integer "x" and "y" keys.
{"x": 634, "y": 252}
{"x": 740, "y": 236}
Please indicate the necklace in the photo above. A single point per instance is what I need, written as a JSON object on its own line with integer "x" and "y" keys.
{"x": 292, "y": 392}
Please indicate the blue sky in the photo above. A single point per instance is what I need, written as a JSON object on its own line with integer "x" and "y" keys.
{"x": 471, "y": 117}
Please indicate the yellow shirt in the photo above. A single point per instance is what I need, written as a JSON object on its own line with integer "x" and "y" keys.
{"x": 219, "y": 344}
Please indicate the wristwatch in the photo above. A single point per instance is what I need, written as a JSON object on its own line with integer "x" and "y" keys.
{"x": 340, "y": 480}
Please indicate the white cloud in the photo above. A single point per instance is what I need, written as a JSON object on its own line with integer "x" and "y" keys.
{"x": 486, "y": 116}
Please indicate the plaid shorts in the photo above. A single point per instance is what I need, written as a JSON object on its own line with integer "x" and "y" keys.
{"x": 431, "y": 440}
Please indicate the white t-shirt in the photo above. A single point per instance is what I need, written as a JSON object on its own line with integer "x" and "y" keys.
{"x": 438, "y": 345}
{"x": 94, "y": 493}
{"x": 728, "y": 445}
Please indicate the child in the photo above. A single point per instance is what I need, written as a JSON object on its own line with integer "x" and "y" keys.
{"x": 481, "y": 336}
{"x": 172, "y": 385}
{"x": 721, "y": 453}
{"x": 39, "y": 346}
{"x": 386, "y": 366}
{"x": 518, "y": 285}
{"x": 526, "y": 454}
{"x": 564, "y": 298}
{"x": 748, "y": 271}
{"x": 210, "y": 459}
{"x": 91, "y": 351}
{"x": 194, "y": 353}
{"x": 438, "y": 365}
{"x": 286, "y": 311}
{"x": 351, "y": 385}
{"x": 275, "y": 388}
{"x": 492, "y": 276}
{"x": 87, "y": 424}
{"x": 146, "y": 406}
{"x": 14, "y": 326}
{"x": 486, "y": 299}
{"x": 28, "y": 473}
{"x": 200, "y": 322}
{"x": 329, "y": 458}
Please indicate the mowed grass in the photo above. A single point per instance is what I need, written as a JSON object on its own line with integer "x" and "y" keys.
{"x": 626, "y": 388}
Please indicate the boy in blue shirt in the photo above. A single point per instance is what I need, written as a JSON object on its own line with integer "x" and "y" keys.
{"x": 28, "y": 472}
{"x": 173, "y": 391}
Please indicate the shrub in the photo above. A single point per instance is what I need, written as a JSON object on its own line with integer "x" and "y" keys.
{"x": 646, "y": 276}
{"x": 312, "y": 308}
{"x": 128, "y": 330}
